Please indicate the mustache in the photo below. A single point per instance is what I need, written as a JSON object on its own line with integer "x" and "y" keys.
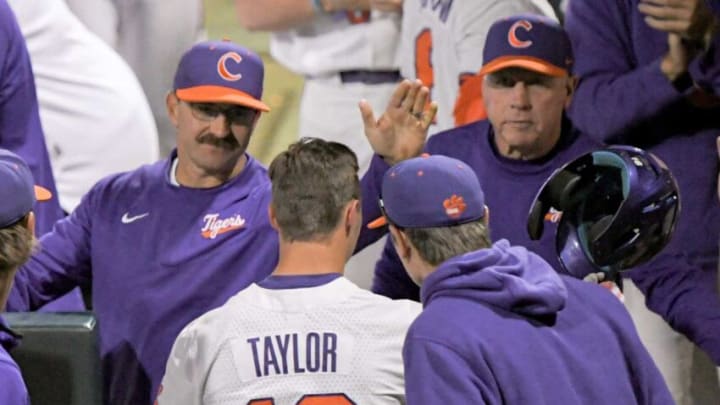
{"x": 227, "y": 142}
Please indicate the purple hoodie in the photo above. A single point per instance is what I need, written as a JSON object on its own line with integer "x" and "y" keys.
{"x": 500, "y": 326}
{"x": 12, "y": 386}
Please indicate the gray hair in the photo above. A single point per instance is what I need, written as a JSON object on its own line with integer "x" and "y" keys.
{"x": 437, "y": 245}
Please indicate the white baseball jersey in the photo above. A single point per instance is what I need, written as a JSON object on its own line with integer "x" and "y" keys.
{"x": 333, "y": 343}
{"x": 442, "y": 40}
{"x": 340, "y": 41}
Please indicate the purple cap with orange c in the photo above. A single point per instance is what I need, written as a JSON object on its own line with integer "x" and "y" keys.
{"x": 221, "y": 72}
{"x": 18, "y": 189}
{"x": 528, "y": 41}
{"x": 429, "y": 192}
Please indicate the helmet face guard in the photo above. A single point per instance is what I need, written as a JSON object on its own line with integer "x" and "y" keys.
{"x": 619, "y": 208}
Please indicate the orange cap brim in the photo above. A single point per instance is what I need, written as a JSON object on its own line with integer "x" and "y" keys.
{"x": 377, "y": 223}
{"x": 525, "y": 62}
{"x": 42, "y": 194}
{"x": 219, "y": 94}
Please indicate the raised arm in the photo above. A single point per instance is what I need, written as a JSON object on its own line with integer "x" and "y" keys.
{"x": 621, "y": 85}
{"x": 398, "y": 134}
{"x": 277, "y": 15}
{"x": 61, "y": 263}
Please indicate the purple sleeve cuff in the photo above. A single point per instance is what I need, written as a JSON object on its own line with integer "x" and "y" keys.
{"x": 685, "y": 296}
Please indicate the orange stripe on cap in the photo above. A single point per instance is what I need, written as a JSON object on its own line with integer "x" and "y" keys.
{"x": 42, "y": 194}
{"x": 526, "y": 62}
{"x": 220, "y": 94}
{"x": 377, "y": 223}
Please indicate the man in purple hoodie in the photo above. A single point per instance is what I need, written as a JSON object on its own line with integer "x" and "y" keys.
{"x": 499, "y": 324}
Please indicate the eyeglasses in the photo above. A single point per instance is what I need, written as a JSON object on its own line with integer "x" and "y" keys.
{"x": 234, "y": 114}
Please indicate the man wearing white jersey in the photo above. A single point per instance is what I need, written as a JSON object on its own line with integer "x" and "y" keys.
{"x": 441, "y": 44}
{"x": 305, "y": 335}
{"x": 345, "y": 49}
{"x": 96, "y": 118}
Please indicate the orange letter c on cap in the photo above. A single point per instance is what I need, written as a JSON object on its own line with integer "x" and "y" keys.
{"x": 513, "y": 39}
{"x": 222, "y": 69}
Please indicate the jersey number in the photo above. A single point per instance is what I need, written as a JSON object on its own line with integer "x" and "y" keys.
{"x": 358, "y": 16}
{"x": 320, "y": 399}
{"x": 423, "y": 61}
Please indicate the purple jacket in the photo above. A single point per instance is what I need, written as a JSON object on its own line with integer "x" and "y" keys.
{"x": 624, "y": 98}
{"x": 157, "y": 256}
{"x": 12, "y": 389}
{"x": 500, "y": 326}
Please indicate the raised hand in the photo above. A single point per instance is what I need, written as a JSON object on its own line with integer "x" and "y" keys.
{"x": 401, "y": 130}
{"x": 690, "y": 19}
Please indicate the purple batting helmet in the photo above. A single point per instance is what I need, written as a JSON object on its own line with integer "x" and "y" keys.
{"x": 619, "y": 208}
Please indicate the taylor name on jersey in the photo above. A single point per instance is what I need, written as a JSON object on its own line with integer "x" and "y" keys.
{"x": 294, "y": 353}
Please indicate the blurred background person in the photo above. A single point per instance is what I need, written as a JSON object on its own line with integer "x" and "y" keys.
{"x": 151, "y": 36}
{"x": 94, "y": 113}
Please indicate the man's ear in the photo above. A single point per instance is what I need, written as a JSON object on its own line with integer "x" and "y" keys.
{"x": 273, "y": 217}
{"x": 258, "y": 113}
{"x": 30, "y": 224}
{"x": 353, "y": 216}
{"x": 570, "y": 87}
{"x": 400, "y": 241}
{"x": 172, "y": 103}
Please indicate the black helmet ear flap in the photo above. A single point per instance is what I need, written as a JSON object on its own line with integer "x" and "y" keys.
{"x": 557, "y": 192}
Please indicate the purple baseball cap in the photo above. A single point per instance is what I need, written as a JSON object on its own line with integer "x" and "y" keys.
{"x": 528, "y": 41}
{"x": 429, "y": 192}
{"x": 221, "y": 72}
{"x": 18, "y": 188}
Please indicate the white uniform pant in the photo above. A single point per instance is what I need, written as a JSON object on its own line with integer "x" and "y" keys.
{"x": 688, "y": 371}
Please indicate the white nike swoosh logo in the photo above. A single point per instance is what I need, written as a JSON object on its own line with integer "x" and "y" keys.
{"x": 127, "y": 220}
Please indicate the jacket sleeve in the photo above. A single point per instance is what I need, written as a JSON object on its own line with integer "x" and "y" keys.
{"x": 370, "y": 186}
{"x": 436, "y": 374}
{"x": 13, "y": 388}
{"x": 685, "y": 296}
{"x": 61, "y": 263}
{"x": 391, "y": 278}
{"x": 613, "y": 94}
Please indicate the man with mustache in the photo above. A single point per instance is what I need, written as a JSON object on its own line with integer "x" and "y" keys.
{"x": 165, "y": 243}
